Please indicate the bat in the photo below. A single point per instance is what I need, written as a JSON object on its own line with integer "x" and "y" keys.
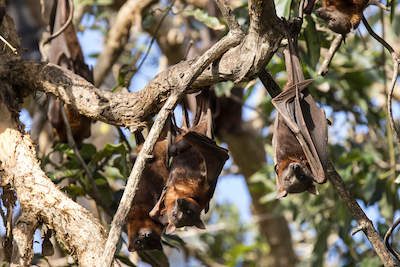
{"x": 66, "y": 52}
{"x": 196, "y": 164}
{"x": 342, "y": 16}
{"x": 144, "y": 232}
{"x": 300, "y": 135}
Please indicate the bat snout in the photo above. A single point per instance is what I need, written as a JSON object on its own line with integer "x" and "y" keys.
{"x": 294, "y": 166}
{"x": 181, "y": 201}
{"x": 145, "y": 240}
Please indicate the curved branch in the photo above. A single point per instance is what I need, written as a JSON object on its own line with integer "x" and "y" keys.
{"x": 396, "y": 62}
{"x": 387, "y": 236}
{"x": 133, "y": 110}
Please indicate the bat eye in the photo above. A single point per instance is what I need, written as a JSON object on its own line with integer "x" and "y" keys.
{"x": 138, "y": 242}
{"x": 175, "y": 214}
{"x": 301, "y": 177}
{"x": 332, "y": 20}
{"x": 189, "y": 212}
{"x": 287, "y": 178}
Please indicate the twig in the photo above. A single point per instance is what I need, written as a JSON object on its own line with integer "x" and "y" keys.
{"x": 396, "y": 62}
{"x": 72, "y": 144}
{"x": 269, "y": 82}
{"x": 328, "y": 58}
{"x": 154, "y": 36}
{"x": 191, "y": 42}
{"x": 378, "y": 4}
{"x": 229, "y": 17}
{"x": 358, "y": 214}
{"x": 301, "y": 7}
{"x": 122, "y": 138}
{"x": 9, "y": 45}
{"x": 66, "y": 24}
{"x": 198, "y": 66}
{"x": 386, "y": 239}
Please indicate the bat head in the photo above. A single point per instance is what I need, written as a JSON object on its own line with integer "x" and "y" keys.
{"x": 146, "y": 238}
{"x": 294, "y": 178}
{"x": 336, "y": 20}
{"x": 184, "y": 212}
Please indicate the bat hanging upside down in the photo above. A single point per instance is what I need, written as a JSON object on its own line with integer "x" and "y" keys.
{"x": 144, "y": 232}
{"x": 300, "y": 132}
{"x": 196, "y": 164}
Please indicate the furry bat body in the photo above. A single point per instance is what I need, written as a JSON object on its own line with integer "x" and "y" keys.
{"x": 145, "y": 233}
{"x": 196, "y": 164}
{"x": 300, "y": 136}
{"x": 342, "y": 16}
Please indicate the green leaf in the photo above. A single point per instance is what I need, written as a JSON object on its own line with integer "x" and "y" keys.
{"x": 370, "y": 186}
{"x": 312, "y": 40}
{"x": 109, "y": 150}
{"x": 74, "y": 191}
{"x": 397, "y": 181}
{"x": 125, "y": 260}
{"x": 203, "y": 16}
{"x": 223, "y": 88}
{"x": 283, "y": 8}
{"x": 370, "y": 262}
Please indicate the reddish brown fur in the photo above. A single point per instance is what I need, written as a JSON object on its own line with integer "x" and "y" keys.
{"x": 289, "y": 149}
{"x": 342, "y": 16}
{"x": 196, "y": 164}
{"x": 153, "y": 180}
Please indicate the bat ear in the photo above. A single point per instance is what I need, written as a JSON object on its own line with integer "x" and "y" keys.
{"x": 170, "y": 229}
{"x": 139, "y": 138}
{"x": 313, "y": 190}
{"x": 155, "y": 212}
{"x": 281, "y": 193}
{"x": 199, "y": 224}
{"x": 207, "y": 208}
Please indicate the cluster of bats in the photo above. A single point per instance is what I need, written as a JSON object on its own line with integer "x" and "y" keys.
{"x": 173, "y": 195}
{"x": 180, "y": 178}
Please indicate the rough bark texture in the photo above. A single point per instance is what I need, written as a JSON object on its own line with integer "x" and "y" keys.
{"x": 241, "y": 63}
{"x": 41, "y": 200}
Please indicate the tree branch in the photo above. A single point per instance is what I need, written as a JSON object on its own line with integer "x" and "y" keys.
{"x": 328, "y": 58}
{"x": 133, "y": 110}
{"x": 365, "y": 224}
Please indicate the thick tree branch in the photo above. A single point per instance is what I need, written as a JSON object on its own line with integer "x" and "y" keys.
{"x": 41, "y": 199}
{"x": 241, "y": 63}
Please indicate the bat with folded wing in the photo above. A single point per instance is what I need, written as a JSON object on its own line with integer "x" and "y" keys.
{"x": 300, "y": 135}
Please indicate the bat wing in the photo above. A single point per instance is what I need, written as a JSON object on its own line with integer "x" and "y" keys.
{"x": 307, "y": 121}
{"x": 214, "y": 156}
